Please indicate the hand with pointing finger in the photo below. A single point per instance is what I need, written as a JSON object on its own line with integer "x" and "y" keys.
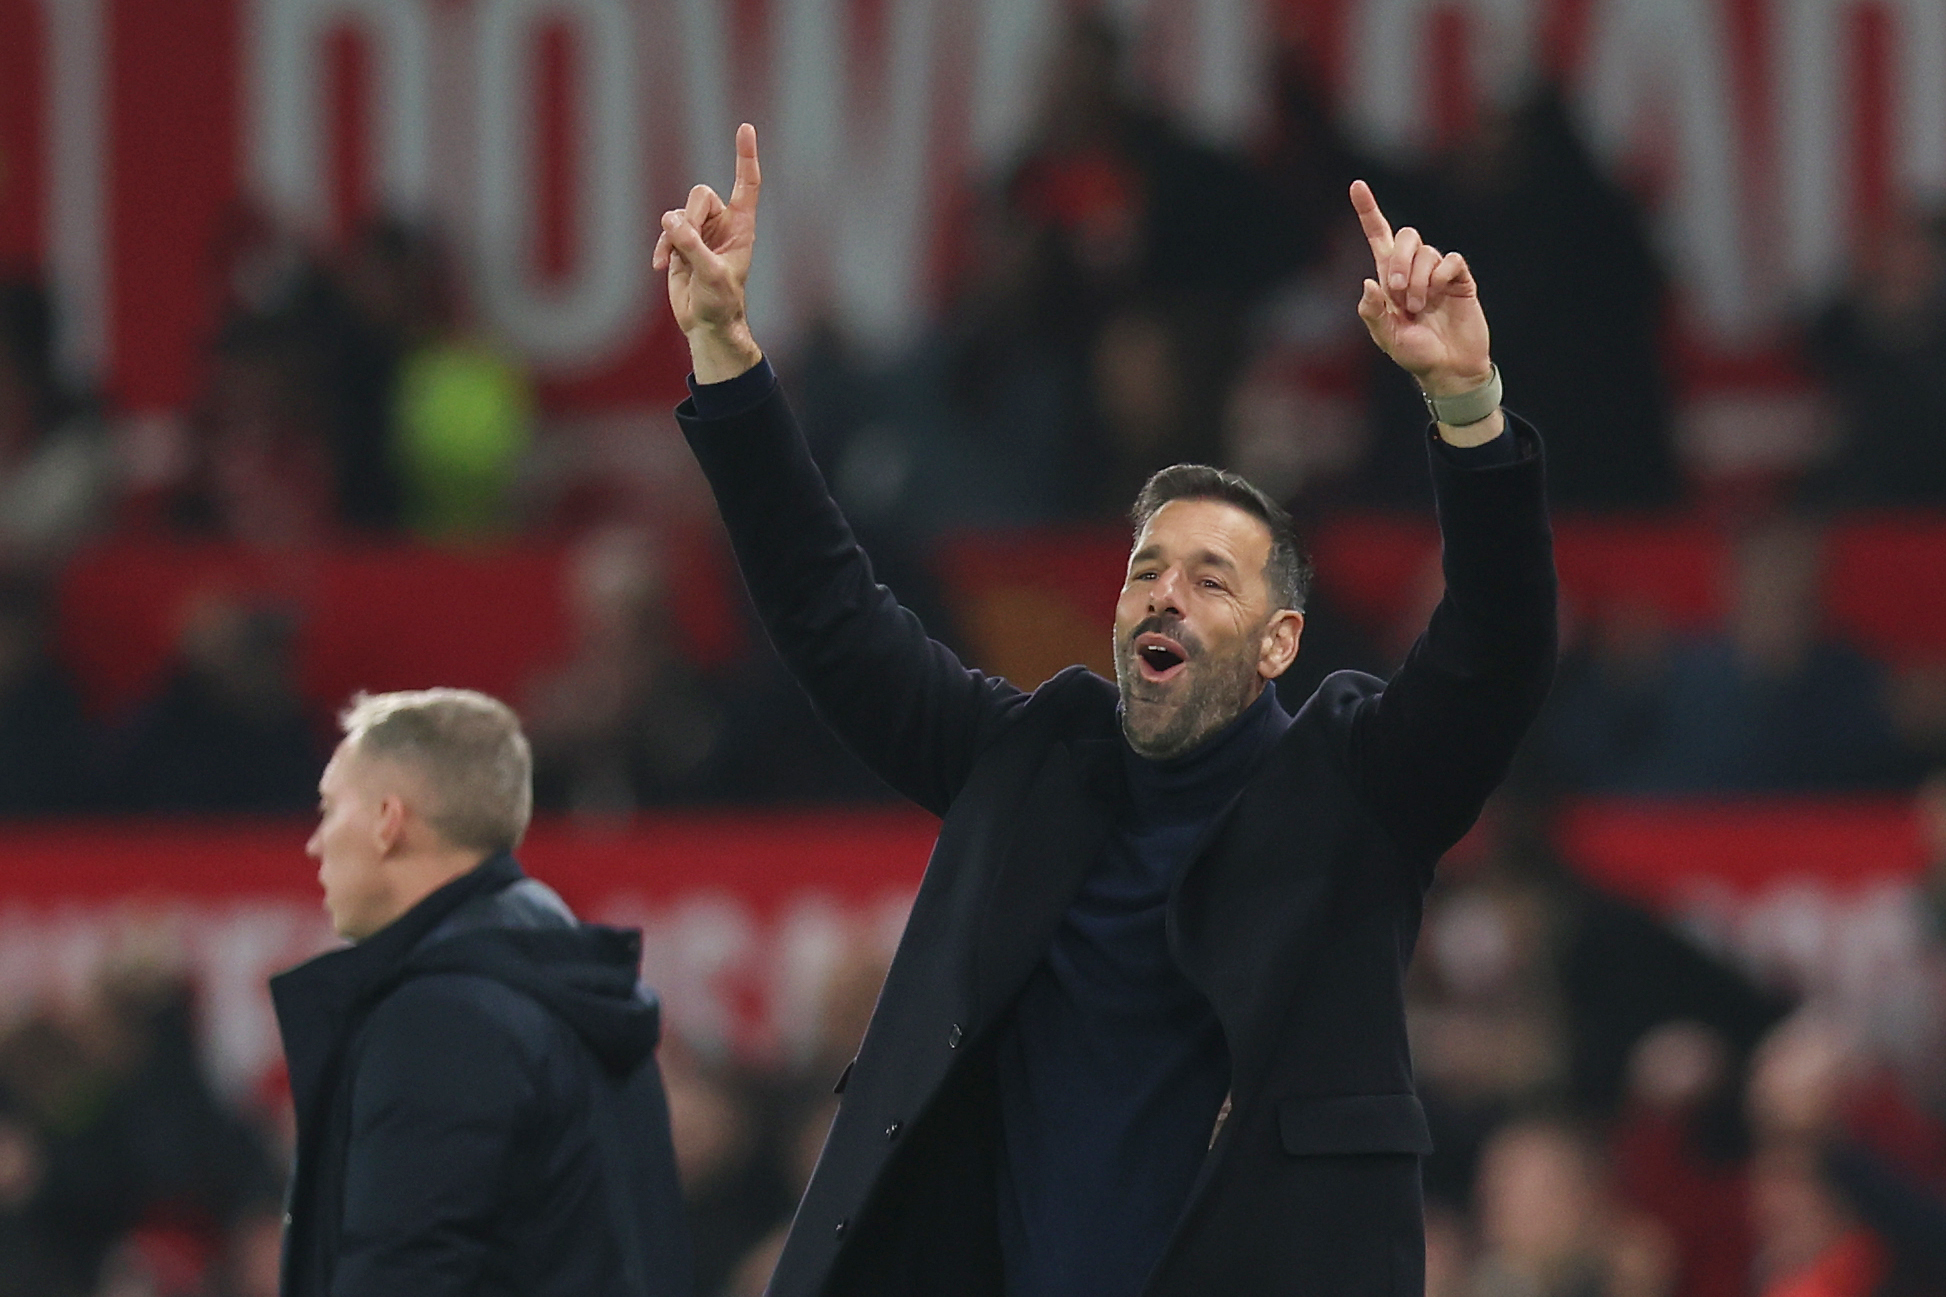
{"x": 1422, "y": 308}
{"x": 705, "y": 247}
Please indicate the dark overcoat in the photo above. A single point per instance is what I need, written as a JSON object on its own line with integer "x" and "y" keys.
{"x": 478, "y": 1107}
{"x": 1296, "y": 918}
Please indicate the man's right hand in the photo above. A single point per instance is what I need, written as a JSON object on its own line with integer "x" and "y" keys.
{"x": 705, "y": 247}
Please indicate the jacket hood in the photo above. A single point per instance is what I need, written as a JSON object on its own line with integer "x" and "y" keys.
{"x": 492, "y": 922}
{"x": 585, "y": 975}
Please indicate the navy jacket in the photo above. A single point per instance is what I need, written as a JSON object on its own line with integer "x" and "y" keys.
{"x": 478, "y": 1107}
{"x": 1295, "y": 920}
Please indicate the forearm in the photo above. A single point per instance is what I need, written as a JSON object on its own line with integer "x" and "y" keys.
{"x": 1432, "y": 746}
{"x": 1496, "y": 543}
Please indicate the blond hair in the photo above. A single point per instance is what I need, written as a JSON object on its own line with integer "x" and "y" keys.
{"x": 477, "y": 766}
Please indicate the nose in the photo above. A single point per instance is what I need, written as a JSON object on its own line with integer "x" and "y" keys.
{"x": 315, "y": 848}
{"x": 1165, "y": 592}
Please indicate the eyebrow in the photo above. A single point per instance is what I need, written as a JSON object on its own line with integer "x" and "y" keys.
{"x": 1204, "y": 558}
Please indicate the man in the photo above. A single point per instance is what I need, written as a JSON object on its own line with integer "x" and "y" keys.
{"x": 478, "y": 1105}
{"x": 1145, "y": 1031}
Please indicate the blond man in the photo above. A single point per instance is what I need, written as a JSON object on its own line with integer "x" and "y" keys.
{"x": 479, "y": 1109}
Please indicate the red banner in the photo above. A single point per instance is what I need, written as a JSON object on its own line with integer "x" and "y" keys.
{"x": 746, "y": 916}
{"x": 546, "y": 134}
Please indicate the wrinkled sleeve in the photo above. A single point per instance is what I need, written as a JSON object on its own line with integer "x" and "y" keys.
{"x": 1428, "y": 749}
{"x": 899, "y": 699}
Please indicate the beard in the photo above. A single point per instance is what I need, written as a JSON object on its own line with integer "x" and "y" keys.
{"x": 1166, "y": 720}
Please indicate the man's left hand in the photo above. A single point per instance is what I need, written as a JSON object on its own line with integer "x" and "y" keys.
{"x": 1422, "y": 308}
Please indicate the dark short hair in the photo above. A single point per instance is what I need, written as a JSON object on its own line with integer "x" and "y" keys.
{"x": 1288, "y": 569}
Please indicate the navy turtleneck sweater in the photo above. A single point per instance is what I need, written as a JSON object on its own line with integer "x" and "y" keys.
{"x": 1114, "y": 1066}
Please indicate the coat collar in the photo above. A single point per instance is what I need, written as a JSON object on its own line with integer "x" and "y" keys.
{"x": 318, "y": 1001}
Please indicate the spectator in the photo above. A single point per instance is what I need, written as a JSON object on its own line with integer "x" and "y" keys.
{"x": 1111, "y": 197}
{"x": 1882, "y": 347}
{"x": 732, "y": 1193}
{"x": 1911, "y": 1019}
{"x": 27, "y": 1266}
{"x": 1534, "y": 988}
{"x": 1550, "y": 1225}
{"x": 113, "y": 1124}
{"x": 625, "y": 723}
{"x": 44, "y": 740}
{"x": 1522, "y": 195}
{"x": 227, "y": 732}
{"x": 54, "y": 462}
{"x": 1773, "y": 703}
{"x": 1678, "y": 1161}
{"x": 1809, "y": 1241}
{"x": 260, "y": 464}
{"x": 340, "y": 326}
{"x": 462, "y": 413}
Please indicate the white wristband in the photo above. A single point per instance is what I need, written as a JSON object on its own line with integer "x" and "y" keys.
{"x": 1466, "y": 407}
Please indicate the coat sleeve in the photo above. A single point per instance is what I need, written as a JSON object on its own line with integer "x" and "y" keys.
{"x": 441, "y": 1096}
{"x": 1428, "y": 749}
{"x": 900, "y": 700}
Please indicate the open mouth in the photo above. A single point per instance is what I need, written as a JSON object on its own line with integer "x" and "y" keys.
{"x": 1158, "y": 657}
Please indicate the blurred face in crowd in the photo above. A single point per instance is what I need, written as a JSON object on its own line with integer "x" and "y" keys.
{"x": 1196, "y": 635}
{"x": 1775, "y": 596}
{"x": 1538, "y": 1196}
{"x": 1931, "y": 807}
{"x": 360, "y": 825}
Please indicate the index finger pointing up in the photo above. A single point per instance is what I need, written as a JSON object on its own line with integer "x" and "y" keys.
{"x": 743, "y": 197}
{"x": 1378, "y": 231}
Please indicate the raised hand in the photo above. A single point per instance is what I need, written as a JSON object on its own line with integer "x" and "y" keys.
{"x": 706, "y": 247}
{"x": 1422, "y": 308}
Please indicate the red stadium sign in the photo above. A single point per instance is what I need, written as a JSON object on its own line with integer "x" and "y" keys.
{"x": 547, "y": 134}
{"x": 746, "y": 915}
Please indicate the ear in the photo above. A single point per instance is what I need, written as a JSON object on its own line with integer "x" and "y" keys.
{"x": 388, "y": 825}
{"x": 1286, "y": 628}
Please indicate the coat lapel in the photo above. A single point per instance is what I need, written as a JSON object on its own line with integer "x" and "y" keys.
{"x": 1062, "y": 827}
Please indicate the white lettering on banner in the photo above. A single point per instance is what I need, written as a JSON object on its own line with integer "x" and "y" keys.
{"x": 1665, "y": 64}
{"x": 289, "y": 114}
{"x": 732, "y": 980}
{"x": 1210, "y": 59}
{"x": 596, "y": 310}
{"x": 1815, "y": 123}
{"x": 1860, "y": 953}
{"x": 230, "y": 950}
{"x": 853, "y": 174}
{"x": 76, "y": 205}
{"x": 855, "y": 152}
{"x": 733, "y": 983}
{"x": 695, "y": 955}
{"x": 1387, "y": 105}
{"x": 1009, "y": 58}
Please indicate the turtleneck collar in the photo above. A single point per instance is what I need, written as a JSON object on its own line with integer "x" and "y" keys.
{"x": 1203, "y": 779}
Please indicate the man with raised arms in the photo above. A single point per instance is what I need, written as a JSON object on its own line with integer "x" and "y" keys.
{"x": 1145, "y": 1031}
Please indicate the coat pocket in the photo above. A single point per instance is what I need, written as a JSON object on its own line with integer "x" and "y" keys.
{"x": 1353, "y": 1123}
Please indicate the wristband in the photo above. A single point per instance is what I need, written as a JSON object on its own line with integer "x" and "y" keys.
{"x": 1466, "y": 407}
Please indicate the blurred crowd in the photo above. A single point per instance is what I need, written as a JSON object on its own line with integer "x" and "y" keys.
{"x": 1098, "y": 325}
{"x": 1619, "y": 1111}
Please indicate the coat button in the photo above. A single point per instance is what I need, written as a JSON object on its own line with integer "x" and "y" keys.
{"x": 892, "y": 1131}
{"x": 954, "y": 1037}
{"x": 843, "y": 1225}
